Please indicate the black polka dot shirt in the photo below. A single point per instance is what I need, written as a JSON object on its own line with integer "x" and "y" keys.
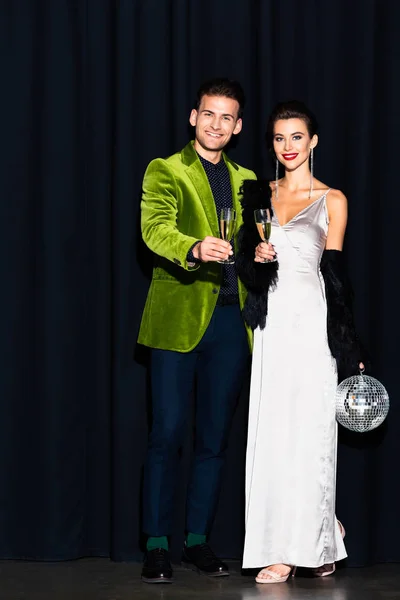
{"x": 220, "y": 183}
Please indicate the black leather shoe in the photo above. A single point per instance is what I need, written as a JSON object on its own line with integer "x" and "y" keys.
{"x": 157, "y": 567}
{"x": 202, "y": 559}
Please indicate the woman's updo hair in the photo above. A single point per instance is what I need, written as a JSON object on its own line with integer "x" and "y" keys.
{"x": 292, "y": 109}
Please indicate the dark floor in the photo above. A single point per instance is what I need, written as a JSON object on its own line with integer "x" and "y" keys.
{"x": 101, "y": 579}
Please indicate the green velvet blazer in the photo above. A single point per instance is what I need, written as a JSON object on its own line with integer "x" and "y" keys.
{"x": 178, "y": 209}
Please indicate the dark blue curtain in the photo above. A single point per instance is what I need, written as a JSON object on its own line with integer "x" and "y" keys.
{"x": 91, "y": 91}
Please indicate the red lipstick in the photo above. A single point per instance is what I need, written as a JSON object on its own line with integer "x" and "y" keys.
{"x": 290, "y": 156}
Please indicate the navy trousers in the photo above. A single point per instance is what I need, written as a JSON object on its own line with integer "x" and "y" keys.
{"x": 217, "y": 365}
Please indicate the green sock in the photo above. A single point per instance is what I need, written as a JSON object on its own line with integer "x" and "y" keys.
{"x": 193, "y": 539}
{"x": 157, "y": 542}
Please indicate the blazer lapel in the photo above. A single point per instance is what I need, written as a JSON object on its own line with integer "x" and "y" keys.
{"x": 199, "y": 179}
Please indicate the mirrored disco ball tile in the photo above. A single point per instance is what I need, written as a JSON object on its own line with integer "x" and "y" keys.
{"x": 362, "y": 403}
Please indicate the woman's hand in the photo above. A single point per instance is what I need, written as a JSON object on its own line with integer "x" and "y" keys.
{"x": 264, "y": 252}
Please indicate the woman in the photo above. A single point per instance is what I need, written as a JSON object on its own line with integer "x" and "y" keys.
{"x": 299, "y": 346}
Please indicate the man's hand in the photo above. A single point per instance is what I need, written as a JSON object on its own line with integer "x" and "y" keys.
{"x": 212, "y": 249}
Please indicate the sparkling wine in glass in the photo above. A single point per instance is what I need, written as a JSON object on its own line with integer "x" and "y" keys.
{"x": 227, "y": 222}
{"x": 262, "y": 217}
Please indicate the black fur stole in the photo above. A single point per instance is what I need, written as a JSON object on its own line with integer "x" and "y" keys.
{"x": 258, "y": 278}
{"x": 343, "y": 340}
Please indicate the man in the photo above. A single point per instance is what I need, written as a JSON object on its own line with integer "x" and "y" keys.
{"x": 192, "y": 322}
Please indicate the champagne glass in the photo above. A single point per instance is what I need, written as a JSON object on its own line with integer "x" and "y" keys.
{"x": 262, "y": 217}
{"x": 227, "y": 222}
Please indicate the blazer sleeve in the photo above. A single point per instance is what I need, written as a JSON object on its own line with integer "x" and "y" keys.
{"x": 159, "y": 215}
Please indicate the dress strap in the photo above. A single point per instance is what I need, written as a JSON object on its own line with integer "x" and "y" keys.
{"x": 325, "y": 206}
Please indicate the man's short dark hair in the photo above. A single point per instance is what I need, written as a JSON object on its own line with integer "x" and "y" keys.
{"x": 221, "y": 86}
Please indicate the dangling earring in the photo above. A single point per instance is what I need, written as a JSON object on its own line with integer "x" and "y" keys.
{"x": 311, "y": 173}
{"x": 276, "y": 179}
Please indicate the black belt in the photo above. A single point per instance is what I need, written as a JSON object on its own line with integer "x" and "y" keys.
{"x": 227, "y": 300}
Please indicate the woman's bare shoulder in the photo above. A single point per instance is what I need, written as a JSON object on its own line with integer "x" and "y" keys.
{"x": 336, "y": 198}
{"x": 336, "y": 203}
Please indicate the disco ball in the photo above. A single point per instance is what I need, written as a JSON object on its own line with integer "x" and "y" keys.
{"x": 362, "y": 403}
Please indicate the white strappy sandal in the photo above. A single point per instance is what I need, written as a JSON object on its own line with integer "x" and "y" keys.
{"x": 275, "y": 578}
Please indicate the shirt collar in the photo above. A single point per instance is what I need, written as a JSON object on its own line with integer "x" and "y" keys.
{"x": 210, "y": 164}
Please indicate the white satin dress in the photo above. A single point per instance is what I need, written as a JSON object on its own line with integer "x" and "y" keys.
{"x": 292, "y": 436}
